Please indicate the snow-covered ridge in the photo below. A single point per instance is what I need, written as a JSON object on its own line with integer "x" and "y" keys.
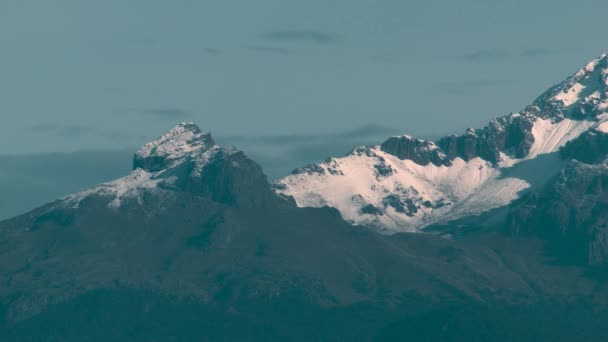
{"x": 372, "y": 187}
{"x": 584, "y": 94}
{"x": 130, "y": 186}
{"x": 407, "y": 183}
{"x": 404, "y": 184}
{"x": 157, "y": 166}
{"x": 181, "y": 142}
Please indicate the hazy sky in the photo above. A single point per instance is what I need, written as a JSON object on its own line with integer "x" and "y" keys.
{"x": 77, "y": 74}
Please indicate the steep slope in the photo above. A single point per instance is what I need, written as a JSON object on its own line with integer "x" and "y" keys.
{"x": 406, "y": 183}
{"x": 195, "y": 231}
{"x": 571, "y": 212}
{"x": 184, "y": 160}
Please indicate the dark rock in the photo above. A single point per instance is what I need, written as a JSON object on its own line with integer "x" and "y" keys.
{"x": 419, "y": 151}
{"x": 383, "y": 170}
{"x": 405, "y": 206}
{"x": 371, "y": 210}
{"x": 232, "y": 178}
{"x": 571, "y": 214}
{"x": 510, "y": 134}
{"x": 309, "y": 169}
{"x": 590, "y": 147}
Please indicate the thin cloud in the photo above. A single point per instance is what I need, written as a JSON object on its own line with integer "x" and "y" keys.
{"x": 158, "y": 112}
{"x": 542, "y": 52}
{"x": 165, "y": 112}
{"x": 498, "y": 54}
{"x": 70, "y": 131}
{"x": 465, "y": 87}
{"x": 268, "y": 49}
{"x": 369, "y": 131}
{"x": 301, "y": 36}
{"x": 359, "y": 133}
{"x": 486, "y": 55}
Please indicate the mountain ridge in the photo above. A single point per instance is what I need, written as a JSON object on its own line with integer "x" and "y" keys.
{"x": 196, "y": 237}
{"x": 410, "y": 183}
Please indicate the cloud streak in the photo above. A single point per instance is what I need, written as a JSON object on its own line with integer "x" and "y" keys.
{"x": 486, "y": 55}
{"x": 465, "y": 87}
{"x": 542, "y": 51}
{"x": 364, "y": 132}
{"x": 165, "y": 112}
{"x": 268, "y": 49}
{"x": 301, "y": 36}
{"x": 499, "y": 54}
{"x": 72, "y": 131}
{"x": 171, "y": 113}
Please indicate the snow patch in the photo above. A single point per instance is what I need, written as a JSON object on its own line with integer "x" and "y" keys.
{"x": 550, "y": 135}
{"x": 571, "y": 95}
{"x": 602, "y": 127}
{"x": 131, "y": 186}
{"x": 432, "y": 193}
{"x": 180, "y": 142}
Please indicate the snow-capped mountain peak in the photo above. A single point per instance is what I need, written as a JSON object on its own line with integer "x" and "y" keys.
{"x": 406, "y": 183}
{"x": 185, "y": 159}
{"x": 584, "y": 94}
{"x": 185, "y": 140}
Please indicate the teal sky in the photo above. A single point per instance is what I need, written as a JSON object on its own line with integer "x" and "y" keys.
{"x": 78, "y": 74}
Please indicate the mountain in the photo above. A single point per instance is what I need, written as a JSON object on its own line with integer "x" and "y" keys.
{"x": 184, "y": 160}
{"x": 195, "y": 237}
{"x": 196, "y": 244}
{"x": 407, "y": 184}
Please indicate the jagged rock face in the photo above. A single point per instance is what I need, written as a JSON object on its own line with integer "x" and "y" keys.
{"x": 186, "y": 159}
{"x": 232, "y": 178}
{"x": 571, "y": 215}
{"x": 591, "y": 147}
{"x": 181, "y": 142}
{"x": 419, "y": 151}
{"x": 459, "y": 175}
{"x": 584, "y": 95}
{"x": 510, "y": 134}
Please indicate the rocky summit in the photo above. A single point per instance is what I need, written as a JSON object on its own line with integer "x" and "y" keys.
{"x": 407, "y": 184}
{"x": 184, "y": 160}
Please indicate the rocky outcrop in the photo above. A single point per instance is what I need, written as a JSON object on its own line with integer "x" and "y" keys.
{"x": 583, "y": 95}
{"x": 230, "y": 177}
{"x": 571, "y": 214}
{"x": 591, "y": 147}
{"x": 187, "y": 160}
{"x": 184, "y": 141}
{"x": 419, "y": 151}
{"x": 511, "y": 134}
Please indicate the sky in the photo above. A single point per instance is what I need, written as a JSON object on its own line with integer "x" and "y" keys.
{"x": 113, "y": 74}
